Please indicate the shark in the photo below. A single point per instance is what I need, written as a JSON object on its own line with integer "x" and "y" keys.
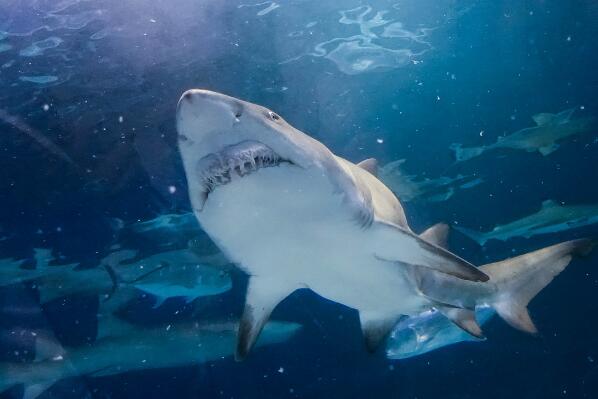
{"x": 167, "y": 223}
{"x": 164, "y": 232}
{"x": 411, "y": 188}
{"x": 291, "y": 215}
{"x": 544, "y": 137}
{"x": 429, "y": 331}
{"x": 177, "y": 273}
{"x": 13, "y": 271}
{"x": 551, "y": 218}
{"x": 125, "y": 347}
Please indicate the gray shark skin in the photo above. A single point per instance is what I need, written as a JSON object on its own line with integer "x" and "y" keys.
{"x": 550, "y": 129}
{"x": 551, "y": 218}
{"x": 130, "y": 348}
{"x": 170, "y": 274}
{"x": 293, "y": 215}
{"x": 431, "y": 330}
{"x": 411, "y": 188}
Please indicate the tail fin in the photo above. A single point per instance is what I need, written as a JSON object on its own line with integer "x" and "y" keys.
{"x": 477, "y": 236}
{"x": 463, "y": 154}
{"x": 521, "y": 278}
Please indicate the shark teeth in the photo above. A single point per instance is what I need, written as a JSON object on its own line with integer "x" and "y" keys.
{"x": 239, "y": 159}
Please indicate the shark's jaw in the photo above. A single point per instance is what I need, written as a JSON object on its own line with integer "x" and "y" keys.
{"x": 232, "y": 162}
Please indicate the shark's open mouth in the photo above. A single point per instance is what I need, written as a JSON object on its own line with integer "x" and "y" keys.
{"x": 242, "y": 159}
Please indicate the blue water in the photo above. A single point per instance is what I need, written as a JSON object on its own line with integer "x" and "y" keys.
{"x": 88, "y": 93}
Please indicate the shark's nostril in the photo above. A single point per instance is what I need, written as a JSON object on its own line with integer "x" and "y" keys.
{"x": 238, "y": 109}
{"x": 188, "y": 96}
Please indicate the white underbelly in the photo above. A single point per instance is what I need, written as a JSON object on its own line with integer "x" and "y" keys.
{"x": 286, "y": 223}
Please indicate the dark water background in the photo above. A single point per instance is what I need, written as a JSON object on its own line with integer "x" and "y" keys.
{"x": 475, "y": 66}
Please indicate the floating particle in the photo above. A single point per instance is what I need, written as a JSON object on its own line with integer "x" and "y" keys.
{"x": 171, "y": 189}
{"x": 45, "y": 107}
{"x": 120, "y": 119}
{"x": 379, "y": 141}
{"x": 281, "y": 370}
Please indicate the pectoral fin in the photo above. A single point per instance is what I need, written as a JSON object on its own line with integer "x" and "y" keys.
{"x": 159, "y": 301}
{"x": 32, "y": 391}
{"x": 263, "y": 294}
{"x": 437, "y": 234}
{"x": 376, "y": 327}
{"x": 549, "y": 149}
{"x": 396, "y": 244}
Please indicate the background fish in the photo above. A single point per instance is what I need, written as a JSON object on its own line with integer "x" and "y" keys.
{"x": 411, "y": 187}
{"x": 550, "y": 129}
{"x": 179, "y": 273}
{"x": 431, "y": 330}
{"x": 551, "y": 218}
{"x": 123, "y": 349}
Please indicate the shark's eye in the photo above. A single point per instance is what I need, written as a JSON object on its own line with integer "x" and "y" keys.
{"x": 274, "y": 116}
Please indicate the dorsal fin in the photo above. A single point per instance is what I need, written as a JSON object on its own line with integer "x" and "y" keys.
{"x": 543, "y": 118}
{"x": 437, "y": 234}
{"x": 47, "y": 347}
{"x": 564, "y": 116}
{"x": 549, "y": 203}
{"x": 370, "y": 165}
{"x": 396, "y": 244}
{"x": 263, "y": 294}
{"x": 43, "y": 257}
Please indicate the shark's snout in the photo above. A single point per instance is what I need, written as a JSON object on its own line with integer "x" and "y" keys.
{"x": 202, "y": 112}
{"x": 200, "y": 101}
